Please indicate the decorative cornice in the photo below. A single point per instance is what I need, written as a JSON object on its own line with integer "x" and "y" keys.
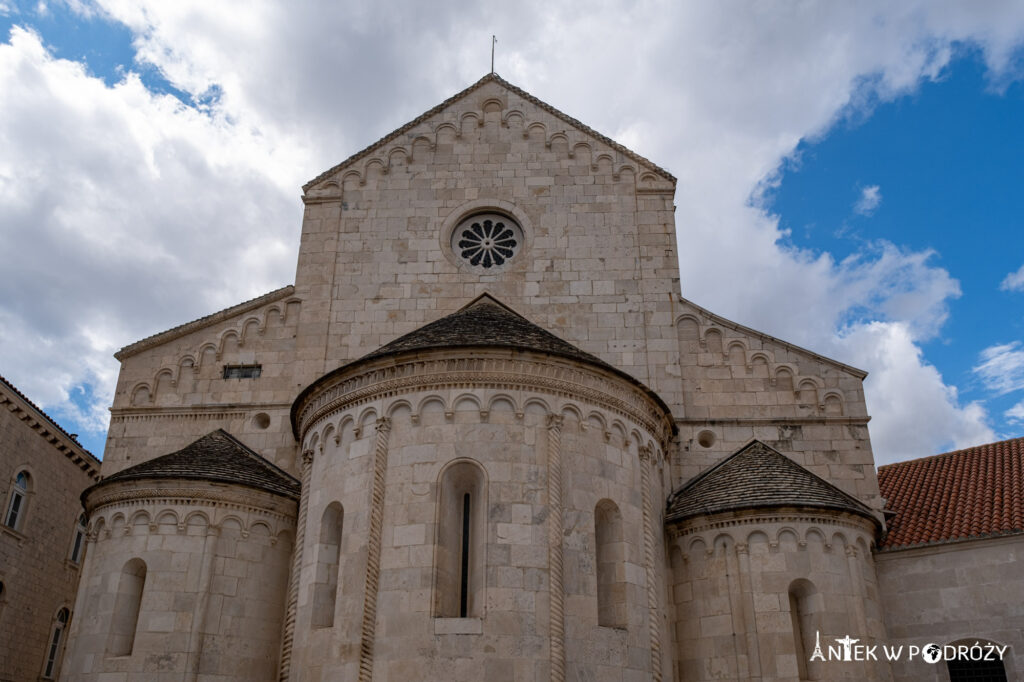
{"x": 771, "y": 421}
{"x": 196, "y": 412}
{"x": 736, "y": 326}
{"x": 491, "y": 77}
{"x": 189, "y": 327}
{"x": 46, "y": 428}
{"x": 705, "y": 524}
{"x": 490, "y": 369}
{"x": 223, "y": 497}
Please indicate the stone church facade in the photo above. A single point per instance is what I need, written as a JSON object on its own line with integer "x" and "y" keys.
{"x": 482, "y": 437}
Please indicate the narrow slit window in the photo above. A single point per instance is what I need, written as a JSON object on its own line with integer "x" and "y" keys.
{"x": 461, "y": 542}
{"x": 464, "y": 579}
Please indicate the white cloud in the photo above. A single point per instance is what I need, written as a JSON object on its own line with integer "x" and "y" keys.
{"x": 131, "y": 213}
{"x": 914, "y": 412}
{"x": 1013, "y": 281}
{"x": 870, "y": 199}
{"x": 1002, "y": 367}
{"x": 1016, "y": 413}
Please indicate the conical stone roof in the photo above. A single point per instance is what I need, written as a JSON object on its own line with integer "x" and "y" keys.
{"x": 485, "y": 322}
{"x": 218, "y": 457}
{"x": 754, "y": 477}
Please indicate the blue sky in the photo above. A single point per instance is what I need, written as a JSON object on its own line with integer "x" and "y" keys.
{"x": 849, "y": 173}
{"x": 947, "y": 167}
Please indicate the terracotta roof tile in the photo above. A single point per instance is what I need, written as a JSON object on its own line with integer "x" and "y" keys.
{"x": 973, "y": 493}
{"x": 757, "y": 476}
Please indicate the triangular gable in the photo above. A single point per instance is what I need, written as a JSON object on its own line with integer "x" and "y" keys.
{"x": 491, "y": 78}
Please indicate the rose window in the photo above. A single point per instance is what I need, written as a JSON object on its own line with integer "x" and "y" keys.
{"x": 487, "y": 241}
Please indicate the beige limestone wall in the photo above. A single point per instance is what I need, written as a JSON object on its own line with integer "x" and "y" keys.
{"x": 971, "y": 591}
{"x": 216, "y": 568}
{"x": 739, "y": 385}
{"x": 39, "y": 578}
{"x": 513, "y": 436}
{"x": 171, "y": 389}
{"x": 733, "y": 574}
{"x": 599, "y": 269}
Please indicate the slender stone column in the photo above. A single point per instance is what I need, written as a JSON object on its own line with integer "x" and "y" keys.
{"x": 555, "y": 535}
{"x": 195, "y": 636}
{"x": 288, "y": 634}
{"x": 653, "y": 620}
{"x": 749, "y": 613}
{"x": 859, "y": 595}
{"x": 369, "y": 629}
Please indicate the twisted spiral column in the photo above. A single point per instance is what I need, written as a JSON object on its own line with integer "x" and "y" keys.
{"x": 288, "y": 637}
{"x": 555, "y": 533}
{"x": 380, "y": 468}
{"x": 653, "y": 621}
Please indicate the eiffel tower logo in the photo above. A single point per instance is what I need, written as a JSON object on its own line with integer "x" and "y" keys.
{"x": 817, "y": 655}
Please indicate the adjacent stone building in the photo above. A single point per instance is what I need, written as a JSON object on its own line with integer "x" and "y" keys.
{"x": 42, "y": 536}
{"x": 483, "y": 437}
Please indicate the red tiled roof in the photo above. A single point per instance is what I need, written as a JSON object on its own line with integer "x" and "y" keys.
{"x": 973, "y": 493}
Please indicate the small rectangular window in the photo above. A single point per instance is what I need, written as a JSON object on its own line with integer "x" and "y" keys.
{"x": 242, "y": 371}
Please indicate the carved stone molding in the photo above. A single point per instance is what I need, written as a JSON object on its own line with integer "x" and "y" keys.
{"x": 489, "y": 370}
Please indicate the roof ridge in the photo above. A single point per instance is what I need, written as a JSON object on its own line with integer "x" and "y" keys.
{"x": 463, "y": 93}
{"x": 204, "y": 321}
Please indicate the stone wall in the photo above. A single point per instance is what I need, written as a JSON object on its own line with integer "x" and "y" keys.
{"x": 599, "y": 266}
{"x": 547, "y": 461}
{"x": 171, "y": 389}
{"x": 214, "y": 562}
{"x": 36, "y": 568}
{"x": 951, "y": 593}
{"x": 739, "y": 385}
{"x": 733, "y": 576}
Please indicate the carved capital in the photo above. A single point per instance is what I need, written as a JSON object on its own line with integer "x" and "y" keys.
{"x": 645, "y": 453}
{"x": 307, "y": 458}
{"x": 851, "y": 551}
{"x": 555, "y": 421}
{"x": 384, "y": 425}
{"x": 741, "y": 548}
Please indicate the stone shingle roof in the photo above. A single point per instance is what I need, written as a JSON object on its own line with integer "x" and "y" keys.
{"x": 217, "y": 456}
{"x": 485, "y": 322}
{"x": 757, "y": 476}
{"x": 973, "y": 493}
